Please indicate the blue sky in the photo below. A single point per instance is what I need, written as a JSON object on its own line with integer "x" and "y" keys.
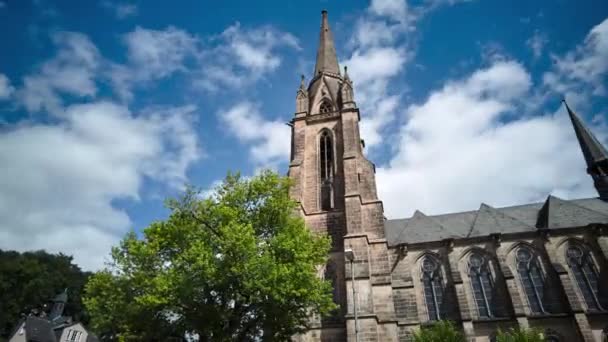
{"x": 108, "y": 107}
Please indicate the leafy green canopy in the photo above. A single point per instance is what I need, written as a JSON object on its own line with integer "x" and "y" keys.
{"x": 31, "y": 279}
{"x": 237, "y": 265}
{"x": 441, "y": 331}
{"x": 520, "y": 335}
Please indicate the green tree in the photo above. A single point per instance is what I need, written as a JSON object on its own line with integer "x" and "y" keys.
{"x": 442, "y": 331}
{"x": 236, "y": 265}
{"x": 520, "y": 335}
{"x": 31, "y": 279}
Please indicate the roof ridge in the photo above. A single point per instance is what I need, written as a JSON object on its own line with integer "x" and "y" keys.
{"x": 546, "y": 220}
{"x": 571, "y": 202}
{"x": 419, "y": 214}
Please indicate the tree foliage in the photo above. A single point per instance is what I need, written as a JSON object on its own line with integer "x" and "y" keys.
{"x": 236, "y": 265}
{"x": 520, "y": 335}
{"x": 442, "y": 331}
{"x": 30, "y": 280}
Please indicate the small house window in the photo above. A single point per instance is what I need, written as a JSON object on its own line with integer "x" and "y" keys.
{"x": 73, "y": 336}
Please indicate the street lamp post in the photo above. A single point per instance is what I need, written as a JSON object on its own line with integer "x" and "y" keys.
{"x": 350, "y": 256}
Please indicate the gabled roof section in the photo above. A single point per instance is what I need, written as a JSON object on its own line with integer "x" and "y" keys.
{"x": 39, "y": 329}
{"x": 422, "y": 228}
{"x": 327, "y": 61}
{"x": 559, "y": 213}
{"x": 554, "y": 213}
{"x": 593, "y": 150}
{"x": 491, "y": 221}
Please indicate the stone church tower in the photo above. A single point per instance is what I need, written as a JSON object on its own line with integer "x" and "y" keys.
{"x": 336, "y": 187}
{"x": 540, "y": 265}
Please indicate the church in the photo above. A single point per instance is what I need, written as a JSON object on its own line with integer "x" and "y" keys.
{"x": 537, "y": 265}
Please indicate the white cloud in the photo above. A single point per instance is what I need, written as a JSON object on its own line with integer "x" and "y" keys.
{"x": 72, "y": 71}
{"x": 584, "y": 67}
{"x": 121, "y": 10}
{"x": 375, "y": 63}
{"x": 159, "y": 52}
{"x": 537, "y": 43}
{"x": 6, "y": 89}
{"x": 243, "y": 56}
{"x": 394, "y": 9}
{"x": 60, "y": 180}
{"x": 152, "y": 55}
{"x": 371, "y": 69}
{"x": 267, "y": 139}
{"x": 463, "y": 145}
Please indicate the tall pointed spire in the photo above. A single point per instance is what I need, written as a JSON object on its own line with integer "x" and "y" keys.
{"x": 327, "y": 61}
{"x": 594, "y": 152}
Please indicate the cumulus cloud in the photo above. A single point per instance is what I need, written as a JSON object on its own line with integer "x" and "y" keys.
{"x": 72, "y": 72}
{"x": 585, "y": 67}
{"x": 372, "y": 69}
{"x": 6, "y": 89}
{"x": 152, "y": 55}
{"x": 242, "y": 56}
{"x": 268, "y": 139}
{"x": 381, "y": 48}
{"x": 60, "y": 180}
{"x": 463, "y": 145}
{"x": 394, "y": 9}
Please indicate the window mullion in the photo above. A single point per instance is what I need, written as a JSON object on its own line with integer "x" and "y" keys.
{"x": 436, "y": 304}
{"x": 534, "y": 287}
{"x": 484, "y": 295}
{"x": 588, "y": 283}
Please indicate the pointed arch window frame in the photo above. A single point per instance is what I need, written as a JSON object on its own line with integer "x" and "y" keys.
{"x": 327, "y": 168}
{"x": 482, "y": 284}
{"x": 433, "y": 286}
{"x": 532, "y": 278}
{"x": 584, "y": 272}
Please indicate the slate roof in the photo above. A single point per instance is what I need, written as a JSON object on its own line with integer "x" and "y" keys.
{"x": 39, "y": 329}
{"x": 554, "y": 213}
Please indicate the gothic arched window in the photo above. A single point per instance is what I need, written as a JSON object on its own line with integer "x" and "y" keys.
{"x": 432, "y": 284}
{"x": 482, "y": 285}
{"x": 327, "y": 170}
{"x": 325, "y": 107}
{"x": 531, "y": 278}
{"x": 585, "y": 274}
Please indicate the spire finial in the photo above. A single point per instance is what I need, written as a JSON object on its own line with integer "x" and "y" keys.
{"x": 327, "y": 61}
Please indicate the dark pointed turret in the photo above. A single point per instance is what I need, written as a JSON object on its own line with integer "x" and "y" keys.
{"x": 327, "y": 61}
{"x": 594, "y": 152}
{"x": 59, "y": 304}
